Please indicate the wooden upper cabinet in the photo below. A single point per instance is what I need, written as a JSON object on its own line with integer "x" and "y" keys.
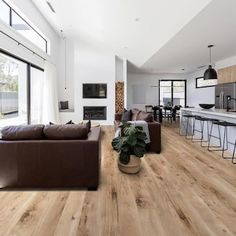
{"x": 227, "y": 75}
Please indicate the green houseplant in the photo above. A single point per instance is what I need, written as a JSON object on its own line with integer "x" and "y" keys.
{"x": 131, "y": 147}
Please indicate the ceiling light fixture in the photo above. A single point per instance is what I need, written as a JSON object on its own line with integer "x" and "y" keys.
{"x": 50, "y": 6}
{"x": 210, "y": 73}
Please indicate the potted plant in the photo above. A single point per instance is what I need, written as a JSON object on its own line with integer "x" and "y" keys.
{"x": 131, "y": 147}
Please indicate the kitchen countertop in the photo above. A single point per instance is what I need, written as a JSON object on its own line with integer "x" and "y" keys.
{"x": 213, "y": 111}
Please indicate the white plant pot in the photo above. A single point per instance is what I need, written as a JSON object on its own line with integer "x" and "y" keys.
{"x": 132, "y": 167}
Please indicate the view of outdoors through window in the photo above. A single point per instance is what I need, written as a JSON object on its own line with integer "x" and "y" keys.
{"x": 172, "y": 93}
{"x": 13, "y": 95}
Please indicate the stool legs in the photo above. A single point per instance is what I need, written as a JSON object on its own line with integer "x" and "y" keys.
{"x": 186, "y": 132}
{"x": 224, "y": 146}
{"x": 234, "y": 162}
{"x": 199, "y": 131}
{"x": 216, "y": 148}
{"x": 185, "y": 126}
{"x": 225, "y": 141}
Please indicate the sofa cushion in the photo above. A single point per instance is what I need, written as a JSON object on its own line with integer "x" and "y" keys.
{"x": 88, "y": 125}
{"x": 23, "y": 132}
{"x": 142, "y": 115}
{"x": 68, "y": 131}
{"x": 126, "y": 116}
{"x": 135, "y": 113}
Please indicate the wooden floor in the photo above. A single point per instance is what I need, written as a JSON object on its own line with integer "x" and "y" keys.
{"x": 183, "y": 191}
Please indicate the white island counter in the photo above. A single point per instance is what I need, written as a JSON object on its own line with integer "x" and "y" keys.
{"x": 218, "y": 114}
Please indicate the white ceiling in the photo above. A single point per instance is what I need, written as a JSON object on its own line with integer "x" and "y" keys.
{"x": 216, "y": 24}
{"x": 132, "y": 29}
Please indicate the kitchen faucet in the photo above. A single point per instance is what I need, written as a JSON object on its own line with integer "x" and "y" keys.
{"x": 228, "y": 100}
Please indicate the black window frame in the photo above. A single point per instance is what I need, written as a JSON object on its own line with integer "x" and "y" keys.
{"x": 28, "y": 79}
{"x": 172, "y": 89}
{"x": 10, "y": 24}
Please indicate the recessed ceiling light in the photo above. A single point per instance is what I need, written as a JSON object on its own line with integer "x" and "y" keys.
{"x": 137, "y": 19}
{"x": 125, "y": 47}
{"x": 50, "y": 6}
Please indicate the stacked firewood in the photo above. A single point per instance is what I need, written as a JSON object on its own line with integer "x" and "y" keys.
{"x": 119, "y": 97}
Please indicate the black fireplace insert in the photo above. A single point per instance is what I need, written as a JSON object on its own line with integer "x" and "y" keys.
{"x": 95, "y": 113}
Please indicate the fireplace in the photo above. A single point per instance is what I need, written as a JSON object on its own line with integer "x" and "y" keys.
{"x": 95, "y": 113}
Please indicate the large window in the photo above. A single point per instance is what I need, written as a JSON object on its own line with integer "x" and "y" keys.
{"x": 172, "y": 92}
{"x": 13, "y": 91}
{"x": 16, "y": 21}
{"x": 20, "y": 91}
{"x": 5, "y": 12}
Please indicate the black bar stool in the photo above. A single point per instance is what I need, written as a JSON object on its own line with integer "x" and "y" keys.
{"x": 202, "y": 121}
{"x": 234, "y": 162}
{"x": 187, "y": 117}
{"x": 225, "y": 142}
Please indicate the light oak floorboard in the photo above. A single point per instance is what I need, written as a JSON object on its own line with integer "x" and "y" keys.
{"x": 185, "y": 190}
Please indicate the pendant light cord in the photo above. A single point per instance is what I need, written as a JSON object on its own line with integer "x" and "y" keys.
{"x": 65, "y": 65}
{"x": 210, "y": 55}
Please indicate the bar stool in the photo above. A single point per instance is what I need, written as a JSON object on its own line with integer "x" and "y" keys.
{"x": 234, "y": 162}
{"x": 187, "y": 117}
{"x": 202, "y": 121}
{"x": 226, "y": 142}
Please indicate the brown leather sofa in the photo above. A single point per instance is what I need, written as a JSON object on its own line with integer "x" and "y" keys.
{"x": 153, "y": 127}
{"x": 41, "y": 162}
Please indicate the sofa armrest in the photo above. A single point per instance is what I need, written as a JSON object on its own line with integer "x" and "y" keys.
{"x": 155, "y": 136}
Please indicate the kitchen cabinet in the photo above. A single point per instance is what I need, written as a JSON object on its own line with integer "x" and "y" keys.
{"x": 227, "y": 75}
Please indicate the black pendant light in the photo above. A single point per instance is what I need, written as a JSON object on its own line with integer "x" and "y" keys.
{"x": 210, "y": 73}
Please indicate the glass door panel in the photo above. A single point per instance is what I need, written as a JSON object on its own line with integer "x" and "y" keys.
{"x": 165, "y": 93}
{"x": 13, "y": 91}
{"x": 36, "y": 90}
{"x": 179, "y": 93}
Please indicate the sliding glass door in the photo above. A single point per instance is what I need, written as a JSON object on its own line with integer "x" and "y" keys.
{"x": 13, "y": 91}
{"x": 21, "y": 86}
{"x": 172, "y": 92}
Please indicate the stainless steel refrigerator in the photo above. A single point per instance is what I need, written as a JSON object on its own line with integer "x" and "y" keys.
{"x": 222, "y": 91}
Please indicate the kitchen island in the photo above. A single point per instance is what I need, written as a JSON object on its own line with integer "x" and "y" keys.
{"x": 219, "y": 114}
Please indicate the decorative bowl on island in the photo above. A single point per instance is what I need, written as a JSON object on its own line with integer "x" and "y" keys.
{"x": 206, "y": 106}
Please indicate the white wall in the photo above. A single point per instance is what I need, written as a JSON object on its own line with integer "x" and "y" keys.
{"x": 119, "y": 69}
{"x": 125, "y": 77}
{"x": 67, "y": 77}
{"x": 195, "y": 95}
{"x": 92, "y": 65}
